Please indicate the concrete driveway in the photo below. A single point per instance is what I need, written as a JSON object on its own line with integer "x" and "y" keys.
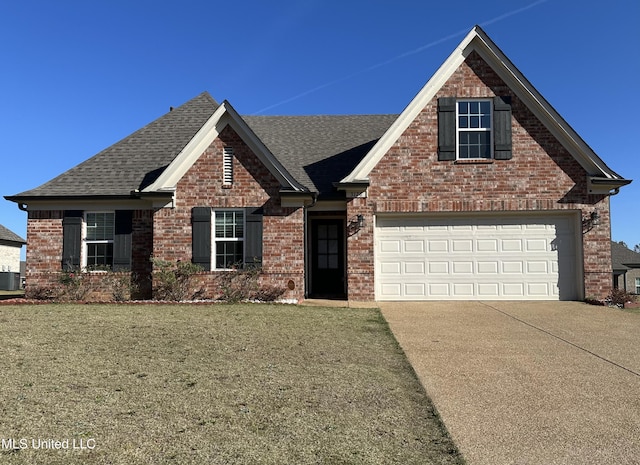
{"x": 528, "y": 382}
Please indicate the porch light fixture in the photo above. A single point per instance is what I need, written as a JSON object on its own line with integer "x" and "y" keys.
{"x": 355, "y": 224}
{"x": 590, "y": 221}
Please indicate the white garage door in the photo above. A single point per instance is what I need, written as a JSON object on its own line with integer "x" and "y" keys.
{"x": 482, "y": 257}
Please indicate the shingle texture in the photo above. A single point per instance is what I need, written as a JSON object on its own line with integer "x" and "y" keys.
{"x": 137, "y": 160}
{"x": 320, "y": 150}
{"x": 7, "y": 235}
{"x": 316, "y": 150}
{"x": 623, "y": 258}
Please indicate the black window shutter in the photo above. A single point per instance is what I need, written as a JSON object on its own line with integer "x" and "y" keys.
{"x": 446, "y": 128}
{"x": 253, "y": 237}
{"x": 122, "y": 240}
{"x": 502, "y": 128}
{"x": 71, "y": 239}
{"x": 201, "y": 237}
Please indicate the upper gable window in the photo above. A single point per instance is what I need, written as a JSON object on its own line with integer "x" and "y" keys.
{"x": 474, "y": 126}
{"x": 474, "y": 129}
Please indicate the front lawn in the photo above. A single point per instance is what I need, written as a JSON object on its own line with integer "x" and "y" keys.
{"x": 214, "y": 384}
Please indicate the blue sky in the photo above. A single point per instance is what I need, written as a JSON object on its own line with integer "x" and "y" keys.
{"x": 78, "y": 76}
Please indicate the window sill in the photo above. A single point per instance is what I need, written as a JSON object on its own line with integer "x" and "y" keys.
{"x": 475, "y": 161}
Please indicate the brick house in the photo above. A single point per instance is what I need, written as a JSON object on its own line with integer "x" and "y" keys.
{"x": 477, "y": 190}
{"x": 626, "y": 268}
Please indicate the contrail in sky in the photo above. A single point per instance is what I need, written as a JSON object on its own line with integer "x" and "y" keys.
{"x": 398, "y": 57}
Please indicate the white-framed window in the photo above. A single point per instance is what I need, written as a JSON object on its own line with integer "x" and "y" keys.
{"x": 99, "y": 231}
{"x": 227, "y": 166}
{"x": 474, "y": 138}
{"x": 637, "y": 285}
{"x": 228, "y": 239}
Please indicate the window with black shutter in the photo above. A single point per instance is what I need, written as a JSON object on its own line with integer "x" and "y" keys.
{"x": 474, "y": 129}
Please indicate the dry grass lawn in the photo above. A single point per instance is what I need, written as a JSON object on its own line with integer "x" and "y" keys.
{"x": 214, "y": 384}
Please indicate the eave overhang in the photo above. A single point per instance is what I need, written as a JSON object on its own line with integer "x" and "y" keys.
{"x": 607, "y": 186}
{"x": 353, "y": 189}
{"x": 294, "y": 199}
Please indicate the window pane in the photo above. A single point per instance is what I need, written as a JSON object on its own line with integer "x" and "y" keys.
{"x": 100, "y": 226}
{"x": 463, "y": 107}
{"x": 485, "y": 122}
{"x": 463, "y": 122}
{"x": 475, "y": 122}
{"x": 485, "y": 108}
{"x": 99, "y": 255}
{"x": 229, "y": 254}
{"x": 229, "y": 224}
{"x": 322, "y": 246}
{"x": 464, "y": 152}
{"x": 474, "y": 107}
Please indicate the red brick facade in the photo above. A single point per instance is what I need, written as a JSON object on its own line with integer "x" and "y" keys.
{"x": 253, "y": 186}
{"x": 541, "y": 176}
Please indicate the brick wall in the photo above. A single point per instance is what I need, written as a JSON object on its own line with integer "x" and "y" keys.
{"x": 44, "y": 256}
{"x": 542, "y": 175}
{"x": 253, "y": 186}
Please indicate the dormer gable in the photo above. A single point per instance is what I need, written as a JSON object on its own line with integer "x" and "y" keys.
{"x": 600, "y": 178}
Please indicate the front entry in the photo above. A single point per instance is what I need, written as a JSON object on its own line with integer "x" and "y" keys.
{"x": 328, "y": 278}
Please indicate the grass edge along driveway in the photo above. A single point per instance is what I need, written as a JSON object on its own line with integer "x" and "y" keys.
{"x": 237, "y": 384}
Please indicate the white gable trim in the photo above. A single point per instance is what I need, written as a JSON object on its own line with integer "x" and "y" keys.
{"x": 224, "y": 115}
{"x": 478, "y": 41}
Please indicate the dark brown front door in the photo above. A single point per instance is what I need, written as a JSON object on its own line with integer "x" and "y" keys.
{"x": 327, "y": 261}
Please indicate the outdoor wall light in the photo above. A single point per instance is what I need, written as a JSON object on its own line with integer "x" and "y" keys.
{"x": 590, "y": 221}
{"x": 355, "y": 224}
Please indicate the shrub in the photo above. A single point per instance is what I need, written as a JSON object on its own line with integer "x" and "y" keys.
{"x": 619, "y": 297}
{"x": 40, "y": 293}
{"x": 240, "y": 284}
{"x": 174, "y": 281}
{"x": 123, "y": 286}
{"x": 73, "y": 284}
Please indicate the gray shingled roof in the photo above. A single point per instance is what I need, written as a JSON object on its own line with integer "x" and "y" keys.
{"x": 320, "y": 150}
{"x": 316, "y": 150}
{"x": 9, "y": 236}
{"x": 137, "y": 160}
{"x": 623, "y": 258}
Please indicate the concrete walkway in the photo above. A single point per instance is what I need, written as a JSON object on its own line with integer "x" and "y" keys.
{"x": 528, "y": 382}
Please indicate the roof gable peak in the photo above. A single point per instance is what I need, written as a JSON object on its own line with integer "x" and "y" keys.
{"x": 603, "y": 177}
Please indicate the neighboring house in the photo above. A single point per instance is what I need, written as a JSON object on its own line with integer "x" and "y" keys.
{"x": 10, "y": 246}
{"x": 477, "y": 190}
{"x": 626, "y": 268}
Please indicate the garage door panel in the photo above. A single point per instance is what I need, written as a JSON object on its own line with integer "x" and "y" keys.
{"x": 513, "y": 290}
{"x": 488, "y": 257}
{"x": 417, "y": 268}
{"x": 413, "y": 246}
{"x": 488, "y": 268}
